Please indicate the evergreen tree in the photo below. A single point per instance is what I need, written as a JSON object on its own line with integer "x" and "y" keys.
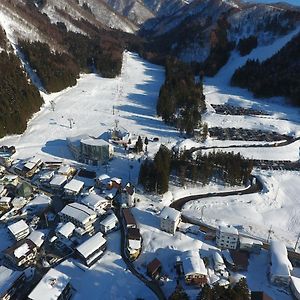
{"x": 138, "y": 145}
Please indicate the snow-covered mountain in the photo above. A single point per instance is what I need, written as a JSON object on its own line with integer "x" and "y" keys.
{"x": 192, "y": 31}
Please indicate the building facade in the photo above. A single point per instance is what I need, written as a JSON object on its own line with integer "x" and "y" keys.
{"x": 169, "y": 219}
{"x": 227, "y": 237}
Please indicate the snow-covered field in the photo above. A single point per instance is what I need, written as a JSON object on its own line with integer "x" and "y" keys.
{"x": 277, "y": 206}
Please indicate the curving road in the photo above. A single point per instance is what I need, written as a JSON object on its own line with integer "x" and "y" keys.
{"x": 151, "y": 284}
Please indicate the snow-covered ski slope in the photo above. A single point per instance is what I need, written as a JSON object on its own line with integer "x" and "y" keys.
{"x": 92, "y": 107}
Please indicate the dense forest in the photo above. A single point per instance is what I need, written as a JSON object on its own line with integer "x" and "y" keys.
{"x": 18, "y": 97}
{"x": 228, "y": 168}
{"x": 181, "y": 100}
{"x": 277, "y": 76}
{"x": 246, "y": 45}
{"x": 60, "y": 70}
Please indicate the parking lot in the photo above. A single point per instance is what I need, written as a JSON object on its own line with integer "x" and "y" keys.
{"x": 225, "y": 109}
{"x": 241, "y": 134}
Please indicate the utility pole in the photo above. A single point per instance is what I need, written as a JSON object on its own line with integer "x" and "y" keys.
{"x": 296, "y": 245}
{"x": 52, "y": 104}
{"x": 202, "y": 209}
{"x": 71, "y": 122}
{"x": 270, "y": 231}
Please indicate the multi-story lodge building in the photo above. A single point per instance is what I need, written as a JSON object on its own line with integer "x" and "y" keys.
{"x": 22, "y": 254}
{"x": 227, "y": 237}
{"x": 92, "y": 249}
{"x": 54, "y": 285}
{"x": 19, "y": 230}
{"x": 80, "y": 215}
{"x": 169, "y": 219}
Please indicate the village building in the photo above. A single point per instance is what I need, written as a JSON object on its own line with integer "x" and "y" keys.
{"x": 295, "y": 287}
{"x": 134, "y": 243}
{"x": 73, "y": 188}
{"x": 227, "y": 237}
{"x": 66, "y": 170}
{"x": 46, "y": 176}
{"x": 18, "y": 202}
{"x": 115, "y": 182}
{"x": 19, "y": 230}
{"x": 103, "y": 181}
{"x": 5, "y": 202}
{"x": 38, "y": 205}
{"x": 109, "y": 224}
{"x": 55, "y": 285}
{"x": 112, "y": 193}
{"x": 90, "y": 150}
{"x": 80, "y": 215}
{"x": 129, "y": 220}
{"x": 31, "y": 166}
{"x": 3, "y": 191}
{"x": 280, "y": 266}
{"x": 154, "y": 269}
{"x": 22, "y": 254}
{"x": 240, "y": 260}
{"x": 10, "y": 179}
{"x": 219, "y": 264}
{"x": 128, "y": 195}
{"x": 250, "y": 245}
{"x": 169, "y": 219}
{"x": 97, "y": 203}
{"x": 10, "y": 282}
{"x": 37, "y": 237}
{"x": 64, "y": 231}
{"x": 58, "y": 181}
{"x": 92, "y": 249}
{"x": 195, "y": 272}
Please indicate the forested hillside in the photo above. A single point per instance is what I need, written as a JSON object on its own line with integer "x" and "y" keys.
{"x": 181, "y": 100}
{"x": 277, "y": 76}
{"x": 18, "y": 97}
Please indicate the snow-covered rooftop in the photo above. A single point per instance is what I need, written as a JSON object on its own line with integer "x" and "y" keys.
{"x": 64, "y": 169}
{"x": 40, "y": 200}
{"x": 7, "y": 278}
{"x": 91, "y": 245}
{"x": 66, "y": 229}
{"x": 193, "y": 263}
{"x": 109, "y": 220}
{"x": 58, "y": 180}
{"x": 22, "y": 250}
{"x": 74, "y": 185}
{"x": 51, "y": 286}
{"x": 281, "y": 265}
{"x": 228, "y": 229}
{"x": 170, "y": 213}
{"x": 94, "y": 142}
{"x": 93, "y": 200}
{"x": 18, "y": 227}
{"x": 37, "y": 237}
{"x": 6, "y": 200}
{"x": 79, "y": 212}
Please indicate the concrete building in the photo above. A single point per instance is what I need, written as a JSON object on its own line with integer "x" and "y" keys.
{"x": 80, "y": 215}
{"x": 54, "y": 285}
{"x": 227, "y": 237}
{"x": 90, "y": 150}
{"x": 109, "y": 223}
{"x": 22, "y": 254}
{"x": 19, "y": 230}
{"x": 169, "y": 219}
{"x": 195, "y": 272}
{"x": 134, "y": 243}
{"x": 280, "y": 266}
{"x": 10, "y": 282}
{"x": 96, "y": 202}
{"x": 92, "y": 249}
{"x": 73, "y": 188}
